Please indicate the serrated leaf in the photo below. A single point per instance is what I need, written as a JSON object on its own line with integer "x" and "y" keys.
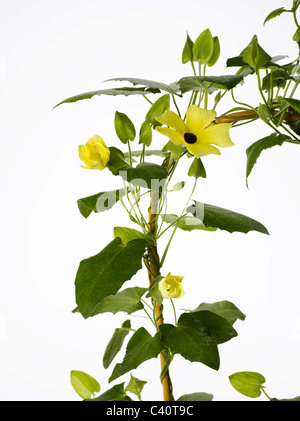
{"x": 115, "y": 344}
{"x": 196, "y": 397}
{"x": 253, "y": 152}
{"x": 275, "y": 13}
{"x": 211, "y": 83}
{"x": 114, "y": 91}
{"x": 99, "y": 202}
{"x": 84, "y": 384}
{"x": 224, "y": 219}
{"x": 141, "y": 347}
{"x": 172, "y": 89}
{"x": 248, "y": 383}
{"x": 103, "y": 274}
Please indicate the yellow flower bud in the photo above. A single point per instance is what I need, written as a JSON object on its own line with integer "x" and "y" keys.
{"x": 171, "y": 286}
{"x": 95, "y": 154}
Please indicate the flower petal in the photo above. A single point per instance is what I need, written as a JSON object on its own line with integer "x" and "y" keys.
{"x": 169, "y": 118}
{"x": 197, "y": 119}
{"x": 200, "y": 149}
{"x": 218, "y": 134}
{"x": 173, "y": 135}
{"x": 81, "y": 152}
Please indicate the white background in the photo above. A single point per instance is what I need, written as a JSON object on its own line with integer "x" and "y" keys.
{"x": 51, "y": 50}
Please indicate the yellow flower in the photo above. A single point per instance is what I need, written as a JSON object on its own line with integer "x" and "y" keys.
{"x": 197, "y": 133}
{"x": 171, "y": 287}
{"x": 95, "y": 154}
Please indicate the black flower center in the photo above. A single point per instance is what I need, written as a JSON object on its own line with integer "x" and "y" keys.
{"x": 190, "y": 138}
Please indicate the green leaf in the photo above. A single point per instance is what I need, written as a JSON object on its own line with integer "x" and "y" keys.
{"x": 145, "y": 134}
{"x": 127, "y": 301}
{"x": 297, "y": 398}
{"x": 187, "y": 53}
{"x": 275, "y": 13}
{"x": 296, "y": 36}
{"x": 124, "y": 127}
{"x": 141, "y": 347}
{"x": 171, "y": 89}
{"x": 191, "y": 343}
{"x": 148, "y": 152}
{"x": 196, "y": 397}
{"x": 203, "y": 47}
{"x": 176, "y": 150}
{"x": 84, "y": 384}
{"x": 157, "y": 109}
{"x": 210, "y": 324}
{"x": 147, "y": 175}
{"x": 213, "y": 216}
{"x": 294, "y": 103}
{"x": 295, "y": 126}
{"x": 248, "y": 383}
{"x": 238, "y": 61}
{"x": 216, "y": 52}
{"x": 129, "y": 234}
{"x": 99, "y": 202}
{"x": 103, "y": 274}
{"x": 277, "y": 78}
{"x": 114, "y": 91}
{"x": 179, "y": 186}
{"x": 115, "y": 344}
{"x": 197, "y": 169}
{"x": 154, "y": 291}
{"x": 116, "y": 161}
{"x": 254, "y": 151}
{"x": 187, "y": 223}
{"x": 135, "y": 386}
{"x": 212, "y": 83}
{"x": 116, "y": 393}
{"x": 255, "y": 55}
{"x": 225, "y": 309}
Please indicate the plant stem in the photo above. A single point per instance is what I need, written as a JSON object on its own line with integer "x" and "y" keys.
{"x": 176, "y": 226}
{"x": 153, "y": 272}
{"x": 263, "y": 390}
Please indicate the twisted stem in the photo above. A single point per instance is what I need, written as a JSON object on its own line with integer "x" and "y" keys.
{"x": 154, "y": 266}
